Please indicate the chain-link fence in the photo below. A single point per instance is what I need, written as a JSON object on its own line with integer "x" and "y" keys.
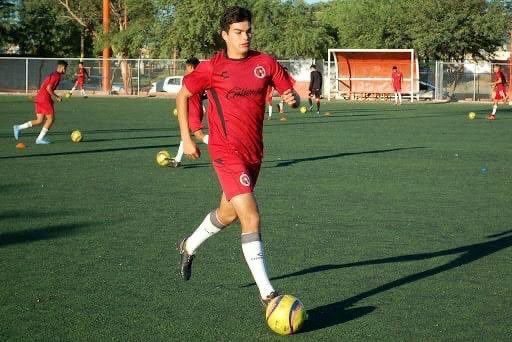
{"x": 26, "y": 74}
{"x": 438, "y": 80}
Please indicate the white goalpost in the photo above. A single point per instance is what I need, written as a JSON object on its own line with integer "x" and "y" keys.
{"x": 362, "y": 73}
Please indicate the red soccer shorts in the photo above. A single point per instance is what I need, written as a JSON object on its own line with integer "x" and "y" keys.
{"x": 44, "y": 107}
{"x": 397, "y": 88}
{"x": 235, "y": 176}
{"x": 501, "y": 93}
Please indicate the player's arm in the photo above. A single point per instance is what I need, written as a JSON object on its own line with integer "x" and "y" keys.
{"x": 189, "y": 146}
{"x": 49, "y": 89}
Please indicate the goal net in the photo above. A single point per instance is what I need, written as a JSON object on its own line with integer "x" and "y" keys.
{"x": 366, "y": 73}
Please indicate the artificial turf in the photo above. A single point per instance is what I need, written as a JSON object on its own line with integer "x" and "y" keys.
{"x": 390, "y": 224}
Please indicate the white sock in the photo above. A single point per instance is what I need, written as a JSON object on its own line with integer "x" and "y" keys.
{"x": 400, "y": 98}
{"x": 25, "y": 125}
{"x": 209, "y": 227}
{"x": 253, "y": 253}
{"x": 42, "y": 133}
{"x": 179, "y": 155}
{"x": 72, "y": 90}
{"x": 396, "y": 98}
{"x": 82, "y": 92}
{"x": 205, "y": 139}
{"x": 494, "y": 109}
{"x": 269, "y": 111}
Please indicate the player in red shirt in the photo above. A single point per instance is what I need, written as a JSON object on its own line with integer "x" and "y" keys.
{"x": 195, "y": 115}
{"x": 80, "y": 80}
{"x": 396, "y": 82}
{"x": 44, "y": 105}
{"x": 237, "y": 80}
{"x": 500, "y": 90}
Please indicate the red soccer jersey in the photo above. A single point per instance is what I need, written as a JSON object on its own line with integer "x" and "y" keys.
{"x": 195, "y": 113}
{"x": 236, "y": 100}
{"x": 397, "y": 78}
{"x": 53, "y": 81}
{"x": 500, "y": 77}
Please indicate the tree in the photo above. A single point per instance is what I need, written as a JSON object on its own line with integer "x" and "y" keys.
{"x": 6, "y": 21}
{"x": 437, "y": 29}
{"x": 42, "y": 31}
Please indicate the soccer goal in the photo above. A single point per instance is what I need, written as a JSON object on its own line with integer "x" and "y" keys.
{"x": 358, "y": 74}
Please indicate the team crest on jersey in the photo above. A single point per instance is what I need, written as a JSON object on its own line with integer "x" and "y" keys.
{"x": 245, "y": 180}
{"x": 260, "y": 72}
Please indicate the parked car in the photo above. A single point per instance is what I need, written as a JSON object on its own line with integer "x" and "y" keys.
{"x": 170, "y": 84}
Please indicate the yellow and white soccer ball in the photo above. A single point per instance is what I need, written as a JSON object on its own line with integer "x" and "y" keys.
{"x": 76, "y": 136}
{"x": 285, "y": 315}
{"x": 175, "y": 112}
{"x": 303, "y": 109}
{"x": 163, "y": 158}
{"x": 471, "y": 115}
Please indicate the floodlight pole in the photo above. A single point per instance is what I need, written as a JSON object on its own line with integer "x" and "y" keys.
{"x": 106, "y": 49}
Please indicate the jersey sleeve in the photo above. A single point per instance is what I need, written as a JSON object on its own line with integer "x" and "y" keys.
{"x": 200, "y": 79}
{"x": 280, "y": 78}
{"x": 53, "y": 81}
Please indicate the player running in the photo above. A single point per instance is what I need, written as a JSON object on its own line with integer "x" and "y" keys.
{"x": 237, "y": 80}
{"x": 195, "y": 115}
{"x": 500, "y": 91}
{"x": 80, "y": 80}
{"x": 315, "y": 88}
{"x": 268, "y": 99}
{"x": 44, "y": 105}
{"x": 396, "y": 82}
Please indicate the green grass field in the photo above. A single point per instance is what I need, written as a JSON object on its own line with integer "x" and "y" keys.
{"x": 390, "y": 225}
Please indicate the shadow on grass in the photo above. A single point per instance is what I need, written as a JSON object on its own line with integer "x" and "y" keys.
{"x": 90, "y": 151}
{"x": 34, "y": 133}
{"x": 38, "y": 234}
{"x": 336, "y": 313}
{"x": 289, "y": 162}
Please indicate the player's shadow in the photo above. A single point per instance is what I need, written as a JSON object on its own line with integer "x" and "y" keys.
{"x": 38, "y": 234}
{"x": 336, "y": 313}
{"x": 283, "y": 163}
{"x": 117, "y": 149}
{"x": 130, "y": 138}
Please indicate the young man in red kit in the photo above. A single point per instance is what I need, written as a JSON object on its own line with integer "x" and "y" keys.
{"x": 237, "y": 80}
{"x": 268, "y": 99}
{"x": 500, "y": 90}
{"x": 80, "y": 80}
{"x": 44, "y": 104}
{"x": 396, "y": 82}
{"x": 195, "y": 115}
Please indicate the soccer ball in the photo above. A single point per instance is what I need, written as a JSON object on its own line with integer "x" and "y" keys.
{"x": 163, "y": 158}
{"x": 303, "y": 109}
{"x": 68, "y": 95}
{"x": 175, "y": 112}
{"x": 76, "y": 136}
{"x": 471, "y": 115}
{"x": 285, "y": 315}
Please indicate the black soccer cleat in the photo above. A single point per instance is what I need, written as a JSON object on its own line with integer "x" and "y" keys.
{"x": 186, "y": 260}
{"x": 265, "y": 302}
{"x": 174, "y": 163}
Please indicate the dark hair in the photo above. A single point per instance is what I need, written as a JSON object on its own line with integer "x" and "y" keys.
{"x": 80, "y": 63}
{"x": 313, "y": 66}
{"x": 235, "y": 14}
{"x": 394, "y": 67}
{"x": 61, "y": 62}
{"x": 192, "y": 61}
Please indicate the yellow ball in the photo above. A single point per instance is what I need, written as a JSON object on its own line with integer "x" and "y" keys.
{"x": 471, "y": 115}
{"x": 175, "y": 112}
{"x": 76, "y": 136}
{"x": 163, "y": 158}
{"x": 303, "y": 109}
{"x": 285, "y": 315}
{"x": 68, "y": 95}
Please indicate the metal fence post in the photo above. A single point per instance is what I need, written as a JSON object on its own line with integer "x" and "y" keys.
{"x": 26, "y": 75}
{"x": 138, "y": 77}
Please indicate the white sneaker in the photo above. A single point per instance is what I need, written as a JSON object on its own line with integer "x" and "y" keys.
{"x": 43, "y": 141}
{"x": 16, "y": 131}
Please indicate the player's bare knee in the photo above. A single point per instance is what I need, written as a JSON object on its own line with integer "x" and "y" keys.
{"x": 251, "y": 219}
{"x": 226, "y": 217}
